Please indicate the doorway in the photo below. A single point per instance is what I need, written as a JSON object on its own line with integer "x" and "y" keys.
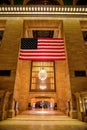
{"x": 43, "y": 103}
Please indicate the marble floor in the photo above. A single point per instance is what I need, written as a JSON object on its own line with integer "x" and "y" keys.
{"x": 42, "y": 122}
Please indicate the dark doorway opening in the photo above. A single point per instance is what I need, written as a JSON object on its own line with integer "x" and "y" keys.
{"x": 42, "y": 104}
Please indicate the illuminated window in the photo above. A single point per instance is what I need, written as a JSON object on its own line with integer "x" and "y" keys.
{"x": 42, "y": 76}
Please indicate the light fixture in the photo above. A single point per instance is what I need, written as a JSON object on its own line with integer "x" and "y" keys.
{"x": 43, "y": 87}
{"x": 42, "y": 74}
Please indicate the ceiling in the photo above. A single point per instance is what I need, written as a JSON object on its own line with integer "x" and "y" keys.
{"x": 43, "y": 2}
{"x": 43, "y": 33}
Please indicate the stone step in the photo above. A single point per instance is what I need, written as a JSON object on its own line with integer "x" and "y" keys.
{"x": 41, "y": 118}
{"x": 42, "y": 112}
{"x": 39, "y": 115}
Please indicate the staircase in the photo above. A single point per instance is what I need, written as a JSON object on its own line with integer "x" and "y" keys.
{"x": 38, "y": 115}
{"x": 42, "y": 112}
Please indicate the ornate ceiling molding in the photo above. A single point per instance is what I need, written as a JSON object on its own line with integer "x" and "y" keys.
{"x": 43, "y": 10}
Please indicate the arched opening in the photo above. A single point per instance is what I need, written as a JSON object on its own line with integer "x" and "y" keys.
{"x": 42, "y": 105}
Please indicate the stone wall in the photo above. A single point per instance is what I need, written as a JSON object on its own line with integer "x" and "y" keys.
{"x": 66, "y": 82}
{"x": 63, "y": 90}
{"x": 75, "y": 57}
{"x": 75, "y": 53}
{"x": 22, "y": 83}
{"x": 9, "y": 52}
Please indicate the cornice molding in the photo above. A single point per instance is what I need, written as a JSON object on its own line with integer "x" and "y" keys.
{"x": 43, "y": 10}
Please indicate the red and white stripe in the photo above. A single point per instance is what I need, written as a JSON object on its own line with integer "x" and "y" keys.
{"x": 47, "y": 49}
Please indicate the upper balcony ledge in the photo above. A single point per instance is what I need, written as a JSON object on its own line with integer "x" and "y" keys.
{"x": 43, "y": 10}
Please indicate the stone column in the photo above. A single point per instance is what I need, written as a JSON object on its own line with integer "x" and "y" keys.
{"x": 11, "y": 106}
{"x": 1, "y": 103}
{"x": 73, "y": 107}
{"x": 80, "y": 110}
{"x": 5, "y": 106}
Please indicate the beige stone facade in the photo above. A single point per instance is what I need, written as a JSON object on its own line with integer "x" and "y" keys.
{"x": 18, "y": 84}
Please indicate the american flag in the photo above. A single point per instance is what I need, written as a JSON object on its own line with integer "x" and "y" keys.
{"x": 42, "y": 49}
